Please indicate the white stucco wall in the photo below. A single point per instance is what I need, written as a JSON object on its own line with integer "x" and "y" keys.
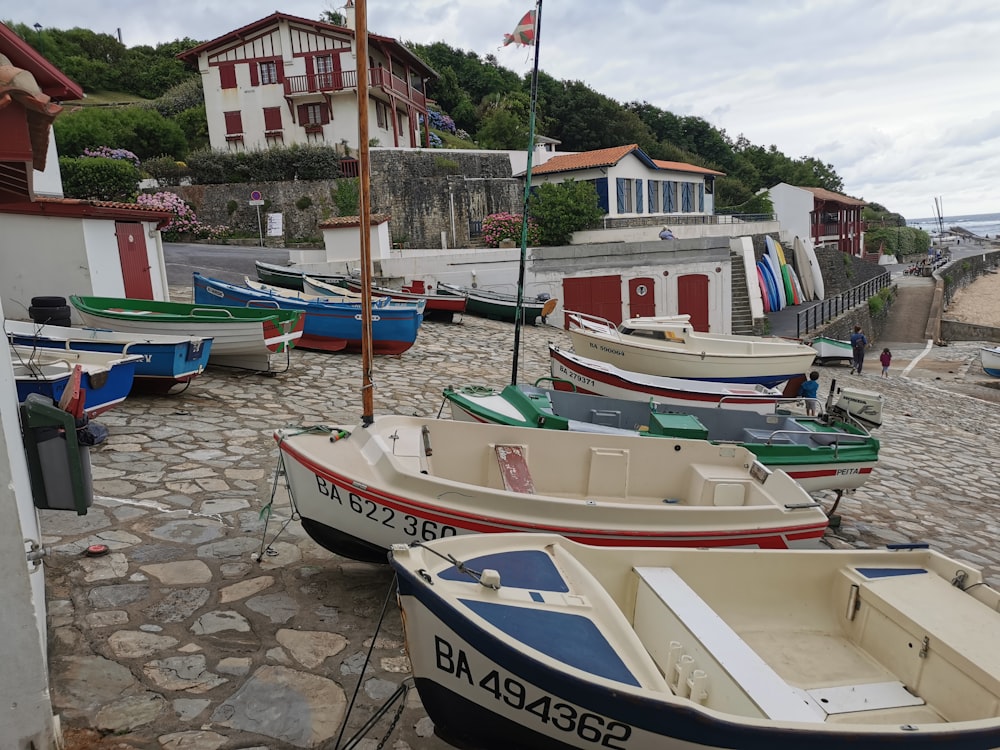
{"x": 49, "y": 181}
{"x": 63, "y": 256}
{"x": 792, "y": 207}
{"x": 343, "y": 244}
{"x": 681, "y": 232}
{"x": 24, "y": 688}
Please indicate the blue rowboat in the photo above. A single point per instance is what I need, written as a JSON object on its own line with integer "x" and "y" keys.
{"x": 105, "y": 381}
{"x": 166, "y": 361}
{"x": 329, "y": 326}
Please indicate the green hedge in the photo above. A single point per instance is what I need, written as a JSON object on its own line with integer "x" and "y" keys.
{"x": 210, "y": 167}
{"x": 99, "y": 179}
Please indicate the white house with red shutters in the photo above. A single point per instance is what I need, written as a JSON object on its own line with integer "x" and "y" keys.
{"x": 287, "y": 80}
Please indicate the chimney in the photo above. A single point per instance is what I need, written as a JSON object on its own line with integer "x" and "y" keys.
{"x": 349, "y": 15}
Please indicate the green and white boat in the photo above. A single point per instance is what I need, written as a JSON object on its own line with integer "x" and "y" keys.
{"x": 819, "y": 452}
{"x": 831, "y": 350}
{"x": 501, "y": 306}
{"x": 243, "y": 337}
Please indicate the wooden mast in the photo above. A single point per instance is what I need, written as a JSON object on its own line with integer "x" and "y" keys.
{"x": 364, "y": 211}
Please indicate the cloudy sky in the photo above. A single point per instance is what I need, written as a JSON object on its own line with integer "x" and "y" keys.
{"x": 902, "y": 97}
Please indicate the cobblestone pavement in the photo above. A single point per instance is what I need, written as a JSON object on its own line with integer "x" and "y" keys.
{"x": 179, "y": 639}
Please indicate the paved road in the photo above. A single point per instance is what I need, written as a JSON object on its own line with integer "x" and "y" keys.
{"x": 226, "y": 262}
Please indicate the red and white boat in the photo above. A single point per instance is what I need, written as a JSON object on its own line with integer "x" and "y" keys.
{"x": 403, "y": 479}
{"x": 603, "y": 379}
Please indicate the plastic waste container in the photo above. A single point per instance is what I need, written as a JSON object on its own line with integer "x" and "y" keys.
{"x": 57, "y": 446}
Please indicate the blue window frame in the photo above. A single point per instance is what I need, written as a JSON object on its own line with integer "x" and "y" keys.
{"x": 687, "y": 197}
{"x": 638, "y": 196}
{"x": 669, "y": 197}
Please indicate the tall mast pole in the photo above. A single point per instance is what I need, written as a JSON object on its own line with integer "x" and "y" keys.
{"x": 519, "y": 312}
{"x": 364, "y": 211}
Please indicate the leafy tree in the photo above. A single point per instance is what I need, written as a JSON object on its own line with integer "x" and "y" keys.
{"x": 194, "y": 124}
{"x": 563, "y": 208}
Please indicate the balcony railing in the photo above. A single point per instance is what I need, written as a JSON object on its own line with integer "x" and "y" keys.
{"x": 344, "y": 80}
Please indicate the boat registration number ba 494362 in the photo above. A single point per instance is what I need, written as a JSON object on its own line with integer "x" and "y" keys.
{"x": 545, "y": 709}
{"x": 423, "y": 529}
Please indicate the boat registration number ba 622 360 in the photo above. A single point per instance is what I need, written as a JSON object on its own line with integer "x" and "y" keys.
{"x": 409, "y": 525}
{"x": 546, "y": 709}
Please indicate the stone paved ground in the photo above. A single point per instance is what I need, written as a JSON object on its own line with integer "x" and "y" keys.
{"x": 178, "y": 639}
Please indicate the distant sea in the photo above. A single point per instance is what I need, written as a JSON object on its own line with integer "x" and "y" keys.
{"x": 979, "y": 224}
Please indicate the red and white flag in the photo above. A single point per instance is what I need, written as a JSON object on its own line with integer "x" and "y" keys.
{"x": 524, "y": 32}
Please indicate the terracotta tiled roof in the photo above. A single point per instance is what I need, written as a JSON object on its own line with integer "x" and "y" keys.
{"x": 78, "y": 208}
{"x": 604, "y": 157}
{"x": 352, "y": 221}
{"x": 679, "y": 166}
{"x": 829, "y": 195}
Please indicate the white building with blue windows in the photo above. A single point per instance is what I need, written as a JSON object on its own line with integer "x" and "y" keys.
{"x": 634, "y": 189}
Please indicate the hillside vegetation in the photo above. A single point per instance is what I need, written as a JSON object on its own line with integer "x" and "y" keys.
{"x": 480, "y": 104}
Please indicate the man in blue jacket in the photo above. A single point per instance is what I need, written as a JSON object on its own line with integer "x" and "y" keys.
{"x": 858, "y": 344}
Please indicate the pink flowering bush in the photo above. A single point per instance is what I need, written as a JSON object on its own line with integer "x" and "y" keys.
{"x": 506, "y": 226}
{"x": 185, "y": 223}
{"x": 106, "y": 152}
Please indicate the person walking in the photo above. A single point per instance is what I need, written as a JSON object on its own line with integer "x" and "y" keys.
{"x": 809, "y": 390}
{"x": 859, "y": 342}
{"x": 886, "y": 359}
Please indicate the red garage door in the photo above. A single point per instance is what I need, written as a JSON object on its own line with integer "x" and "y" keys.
{"x": 134, "y": 260}
{"x": 597, "y": 295}
{"x": 641, "y": 299}
{"x": 692, "y": 299}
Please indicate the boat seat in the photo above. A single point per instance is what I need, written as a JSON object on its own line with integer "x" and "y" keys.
{"x": 710, "y": 486}
{"x": 608, "y": 474}
{"x": 695, "y": 647}
{"x": 752, "y": 435}
{"x": 924, "y": 605}
{"x": 513, "y": 463}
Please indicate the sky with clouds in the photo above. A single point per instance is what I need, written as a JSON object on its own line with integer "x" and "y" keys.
{"x": 902, "y": 97}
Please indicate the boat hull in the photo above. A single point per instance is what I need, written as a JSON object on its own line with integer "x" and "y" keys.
{"x": 328, "y": 326}
{"x": 106, "y": 379}
{"x": 497, "y": 305}
{"x": 600, "y": 378}
{"x": 167, "y": 361}
{"x": 550, "y": 655}
{"x": 990, "y": 359}
{"x": 241, "y": 337}
{"x": 831, "y": 350}
{"x": 669, "y": 347}
{"x": 439, "y": 307}
{"x": 354, "y": 494}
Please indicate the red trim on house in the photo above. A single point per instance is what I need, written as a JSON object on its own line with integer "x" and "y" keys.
{"x": 50, "y": 79}
{"x": 73, "y": 208}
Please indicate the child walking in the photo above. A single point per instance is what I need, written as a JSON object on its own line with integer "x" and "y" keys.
{"x": 886, "y": 359}
{"x": 810, "y": 390}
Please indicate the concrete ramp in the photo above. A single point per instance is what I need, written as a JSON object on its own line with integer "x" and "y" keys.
{"x": 908, "y": 317}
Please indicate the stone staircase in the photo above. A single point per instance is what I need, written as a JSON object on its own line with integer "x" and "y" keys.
{"x": 742, "y": 318}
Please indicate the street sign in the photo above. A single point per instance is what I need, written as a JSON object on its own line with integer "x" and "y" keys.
{"x": 256, "y": 199}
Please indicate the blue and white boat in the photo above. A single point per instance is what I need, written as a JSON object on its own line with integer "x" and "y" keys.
{"x": 106, "y": 379}
{"x": 536, "y": 642}
{"x": 990, "y": 359}
{"x": 329, "y": 326}
{"x": 166, "y": 361}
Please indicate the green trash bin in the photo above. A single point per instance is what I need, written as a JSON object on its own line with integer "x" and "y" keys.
{"x": 57, "y": 447}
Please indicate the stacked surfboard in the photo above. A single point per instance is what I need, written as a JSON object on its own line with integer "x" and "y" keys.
{"x": 780, "y": 285}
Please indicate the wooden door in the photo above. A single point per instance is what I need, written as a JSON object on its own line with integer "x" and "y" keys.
{"x": 641, "y": 297}
{"x": 596, "y": 295}
{"x": 692, "y": 299}
{"x": 134, "y": 259}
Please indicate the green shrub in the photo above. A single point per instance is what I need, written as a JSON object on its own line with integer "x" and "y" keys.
{"x": 231, "y": 207}
{"x": 303, "y": 203}
{"x": 563, "y": 208}
{"x": 347, "y": 196}
{"x": 210, "y": 167}
{"x": 165, "y": 170}
{"x": 99, "y": 179}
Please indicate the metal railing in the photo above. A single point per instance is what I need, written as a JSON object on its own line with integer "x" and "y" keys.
{"x": 345, "y": 80}
{"x": 828, "y": 309}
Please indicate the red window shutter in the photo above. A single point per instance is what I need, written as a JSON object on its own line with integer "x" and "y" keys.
{"x": 254, "y": 74}
{"x": 303, "y": 114}
{"x": 234, "y": 123}
{"x": 227, "y": 75}
{"x": 325, "y": 116}
{"x": 280, "y": 66}
{"x": 272, "y": 118}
